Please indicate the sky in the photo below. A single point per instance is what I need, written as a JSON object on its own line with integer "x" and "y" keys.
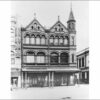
{"x": 47, "y": 13}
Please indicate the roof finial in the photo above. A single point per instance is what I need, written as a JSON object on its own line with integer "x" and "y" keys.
{"x": 71, "y": 16}
{"x": 34, "y": 15}
{"x": 71, "y": 6}
{"x": 58, "y": 18}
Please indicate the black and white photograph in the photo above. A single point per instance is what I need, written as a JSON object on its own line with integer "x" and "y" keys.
{"x": 49, "y": 50}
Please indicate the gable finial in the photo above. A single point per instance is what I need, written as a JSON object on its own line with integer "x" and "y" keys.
{"x": 34, "y": 15}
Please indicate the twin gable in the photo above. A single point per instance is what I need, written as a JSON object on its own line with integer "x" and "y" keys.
{"x": 58, "y": 27}
{"x": 35, "y": 26}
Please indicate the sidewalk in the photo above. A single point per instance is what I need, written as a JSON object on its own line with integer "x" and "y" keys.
{"x": 62, "y": 92}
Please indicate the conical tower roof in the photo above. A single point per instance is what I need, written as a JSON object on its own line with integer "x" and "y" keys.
{"x": 71, "y": 15}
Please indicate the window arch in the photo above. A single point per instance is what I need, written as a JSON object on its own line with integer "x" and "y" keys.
{"x": 38, "y": 40}
{"x": 54, "y": 58}
{"x": 66, "y": 41}
{"x": 61, "y": 40}
{"x": 56, "y": 40}
{"x": 40, "y": 57}
{"x": 51, "y": 39}
{"x": 27, "y": 39}
{"x": 32, "y": 39}
{"x": 30, "y": 57}
{"x": 43, "y": 40}
{"x": 64, "y": 58}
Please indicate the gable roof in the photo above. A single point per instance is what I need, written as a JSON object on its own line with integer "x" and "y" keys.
{"x": 34, "y": 20}
{"x": 58, "y": 22}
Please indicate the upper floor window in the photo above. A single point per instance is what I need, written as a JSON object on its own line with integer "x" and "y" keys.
{"x": 32, "y": 39}
{"x": 56, "y": 40}
{"x": 38, "y": 27}
{"x": 51, "y": 39}
{"x": 61, "y": 29}
{"x": 40, "y": 57}
{"x": 66, "y": 41}
{"x": 80, "y": 62}
{"x": 83, "y": 62}
{"x": 43, "y": 40}
{"x": 31, "y": 27}
{"x": 35, "y": 25}
{"x": 54, "y": 58}
{"x": 38, "y": 40}
{"x": 56, "y": 29}
{"x": 27, "y": 39}
{"x": 64, "y": 58}
{"x": 30, "y": 57}
{"x": 61, "y": 40}
{"x": 87, "y": 60}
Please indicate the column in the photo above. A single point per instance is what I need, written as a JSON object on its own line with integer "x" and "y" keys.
{"x": 35, "y": 59}
{"x": 48, "y": 58}
{"x": 52, "y": 79}
{"x": 49, "y": 80}
{"x": 19, "y": 81}
{"x": 22, "y": 81}
{"x": 59, "y": 59}
{"x": 25, "y": 79}
{"x": 80, "y": 76}
{"x": 86, "y": 75}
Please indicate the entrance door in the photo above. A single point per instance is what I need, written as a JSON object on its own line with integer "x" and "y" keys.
{"x": 14, "y": 81}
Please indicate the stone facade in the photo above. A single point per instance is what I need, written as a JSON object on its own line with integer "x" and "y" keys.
{"x": 49, "y": 55}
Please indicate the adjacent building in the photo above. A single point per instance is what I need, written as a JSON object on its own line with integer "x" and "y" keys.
{"x": 83, "y": 65}
{"x": 48, "y": 56}
{"x": 15, "y": 53}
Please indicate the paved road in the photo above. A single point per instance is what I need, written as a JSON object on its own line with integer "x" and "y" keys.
{"x": 64, "y": 92}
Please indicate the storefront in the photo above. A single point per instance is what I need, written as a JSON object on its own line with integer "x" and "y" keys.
{"x": 48, "y": 79}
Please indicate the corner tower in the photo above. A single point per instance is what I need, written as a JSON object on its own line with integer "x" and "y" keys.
{"x": 72, "y": 34}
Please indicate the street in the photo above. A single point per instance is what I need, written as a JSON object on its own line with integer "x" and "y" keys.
{"x": 62, "y": 92}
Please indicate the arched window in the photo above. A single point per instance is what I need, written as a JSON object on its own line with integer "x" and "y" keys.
{"x": 64, "y": 58}
{"x": 54, "y": 58}
{"x": 66, "y": 41}
{"x": 26, "y": 39}
{"x": 38, "y": 40}
{"x": 30, "y": 57}
{"x": 35, "y": 25}
{"x": 40, "y": 57}
{"x": 51, "y": 39}
{"x": 32, "y": 27}
{"x": 32, "y": 39}
{"x": 61, "y": 40}
{"x": 56, "y": 40}
{"x": 43, "y": 40}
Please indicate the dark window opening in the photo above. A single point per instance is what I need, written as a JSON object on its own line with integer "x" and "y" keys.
{"x": 54, "y": 58}
{"x": 64, "y": 58}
